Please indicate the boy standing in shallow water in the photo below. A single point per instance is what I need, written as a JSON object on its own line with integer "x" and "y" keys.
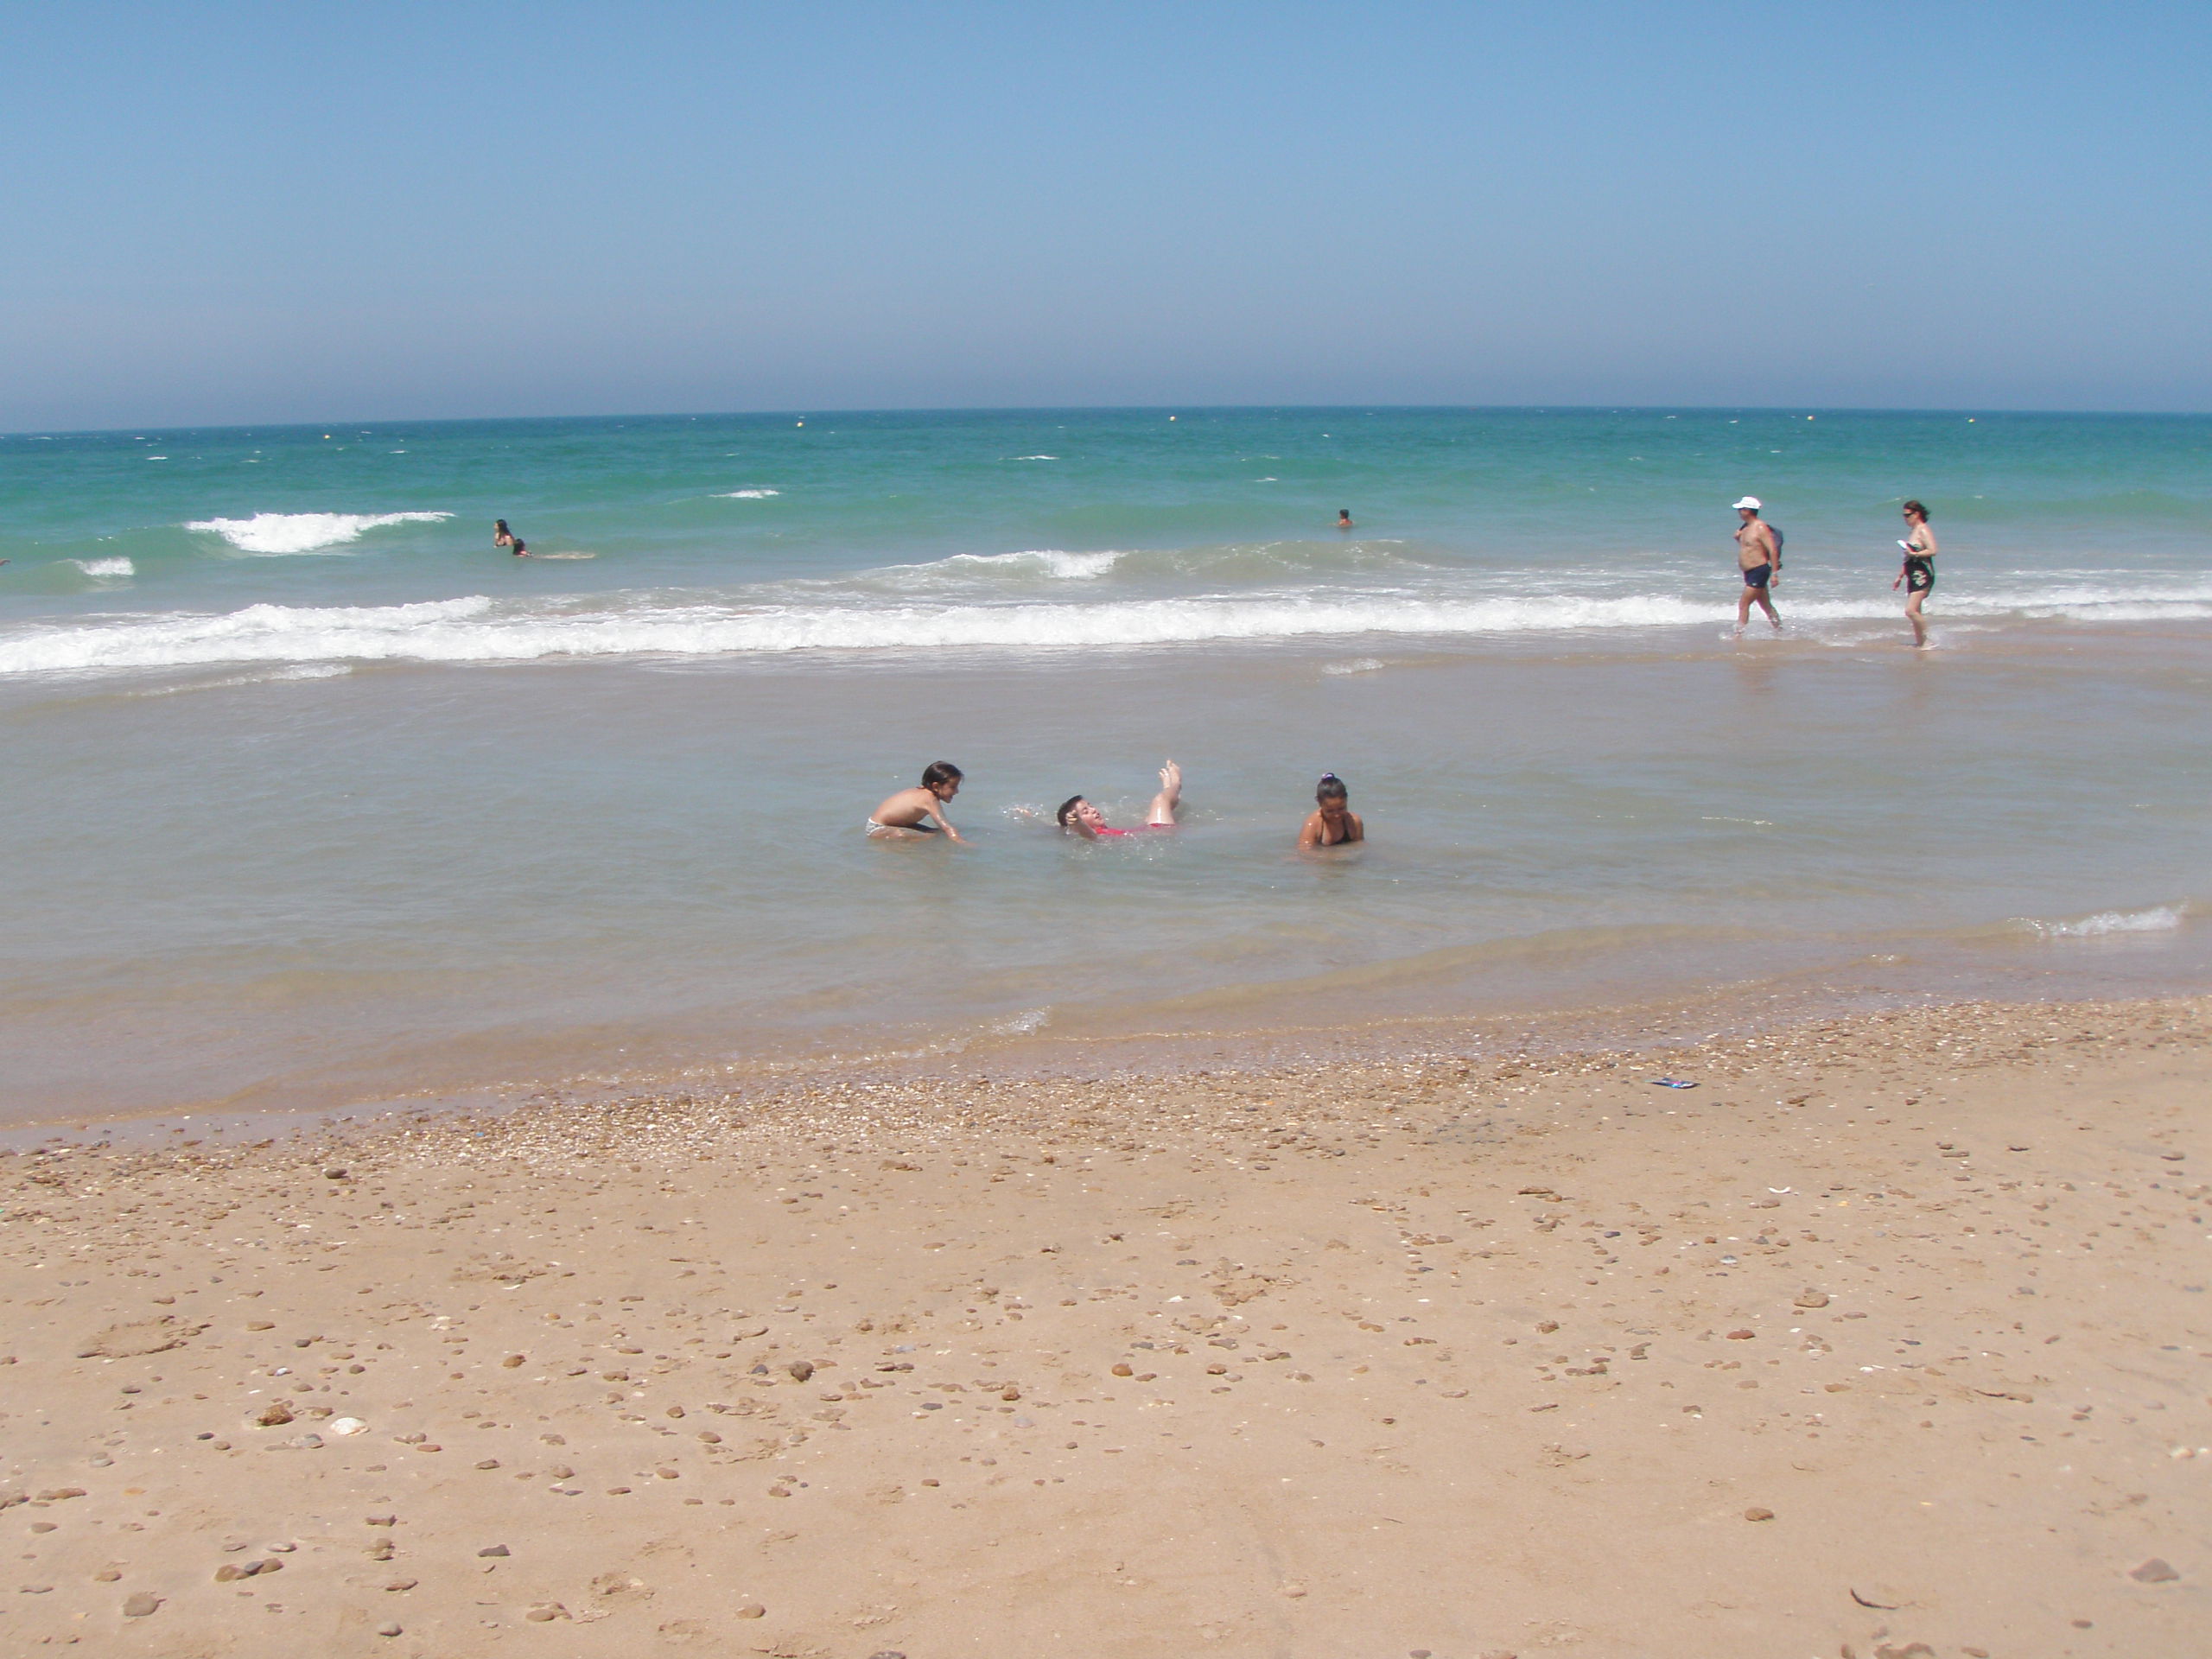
{"x": 903, "y": 816}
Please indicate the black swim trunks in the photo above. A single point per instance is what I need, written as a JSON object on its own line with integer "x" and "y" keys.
{"x": 1757, "y": 576}
{"x": 1919, "y": 575}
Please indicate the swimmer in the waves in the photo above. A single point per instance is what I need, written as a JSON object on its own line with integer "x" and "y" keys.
{"x": 1080, "y": 818}
{"x": 906, "y": 816}
{"x": 502, "y": 536}
{"x": 1333, "y": 823}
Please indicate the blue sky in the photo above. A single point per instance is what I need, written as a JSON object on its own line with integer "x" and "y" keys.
{"x": 232, "y": 212}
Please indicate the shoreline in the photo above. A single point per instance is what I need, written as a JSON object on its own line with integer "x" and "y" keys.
{"x": 1282, "y": 1027}
{"x": 1456, "y": 1354}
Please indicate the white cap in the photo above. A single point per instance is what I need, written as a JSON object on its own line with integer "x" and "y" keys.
{"x": 1750, "y": 501}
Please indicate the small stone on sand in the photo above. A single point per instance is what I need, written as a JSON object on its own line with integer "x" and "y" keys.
{"x": 1759, "y": 1512}
{"x": 141, "y": 1604}
{"x": 2153, "y": 1571}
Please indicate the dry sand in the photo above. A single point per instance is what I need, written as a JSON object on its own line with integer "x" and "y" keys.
{"x": 1893, "y": 1332}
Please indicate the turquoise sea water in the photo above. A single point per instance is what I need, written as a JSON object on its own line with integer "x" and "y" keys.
{"x": 314, "y": 796}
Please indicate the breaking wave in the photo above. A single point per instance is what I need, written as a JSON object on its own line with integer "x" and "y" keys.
{"x": 973, "y": 602}
{"x": 272, "y": 534}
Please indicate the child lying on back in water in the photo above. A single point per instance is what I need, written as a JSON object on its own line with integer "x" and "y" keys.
{"x": 904, "y": 816}
{"x": 1085, "y": 820}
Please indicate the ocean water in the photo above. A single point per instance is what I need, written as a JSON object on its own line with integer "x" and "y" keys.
{"x": 315, "y": 799}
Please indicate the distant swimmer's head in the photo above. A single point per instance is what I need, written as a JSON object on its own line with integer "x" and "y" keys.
{"x": 1914, "y": 510}
{"x": 500, "y": 527}
{"x": 1344, "y": 515}
{"x": 1331, "y": 790}
{"x": 1749, "y": 503}
{"x": 1075, "y": 809}
{"x": 942, "y": 779}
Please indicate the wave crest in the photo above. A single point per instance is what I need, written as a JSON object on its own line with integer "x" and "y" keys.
{"x": 273, "y": 534}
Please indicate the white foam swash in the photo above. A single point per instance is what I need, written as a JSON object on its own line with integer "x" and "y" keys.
{"x": 2161, "y": 918}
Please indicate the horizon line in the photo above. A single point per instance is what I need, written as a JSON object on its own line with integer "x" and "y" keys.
{"x": 825, "y": 413}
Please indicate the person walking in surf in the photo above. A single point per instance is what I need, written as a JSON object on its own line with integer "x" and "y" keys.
{"x": 502, "y": 536}
{"x": 1917, "y": 576}
{"x": 1758, "y": 551}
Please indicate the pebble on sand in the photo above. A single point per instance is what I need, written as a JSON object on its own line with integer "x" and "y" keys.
{"x": 141, "y": 1604}
{"x": 753, "y": 1609}
{"x": 801, "y": 1368}
{"x": 1759, "y": 1512}
{"x": 494, "y": 1549}
{"x": 2153, "y": 1571}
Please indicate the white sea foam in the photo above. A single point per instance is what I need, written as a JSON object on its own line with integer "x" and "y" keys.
{"x": 1031, "y": 457}
{"x": 1036, "y": 562}
{"x": 1357, "y": 665}
{"x": 2161, "y": 920}
{"x": 475, "y": 629}
{"x": 746, "y": 495}
{"x": 266, "y": 677}
{"x": 104, "y": 568}
{"x": 269, "y": 534}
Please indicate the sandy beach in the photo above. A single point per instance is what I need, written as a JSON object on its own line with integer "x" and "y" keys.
{"x": 1888, "y": 1338}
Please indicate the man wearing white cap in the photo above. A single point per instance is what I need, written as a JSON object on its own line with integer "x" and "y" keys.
{"x": 1758, "y": 550}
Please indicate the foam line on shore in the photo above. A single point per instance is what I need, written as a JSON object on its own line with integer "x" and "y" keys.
{"x": 476, "y": 628}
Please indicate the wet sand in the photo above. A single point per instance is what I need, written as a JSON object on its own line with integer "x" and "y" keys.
{"x": 1889, "y": 1338}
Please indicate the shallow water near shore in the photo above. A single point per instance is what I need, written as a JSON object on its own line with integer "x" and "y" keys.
{"x": 317, "y": 800}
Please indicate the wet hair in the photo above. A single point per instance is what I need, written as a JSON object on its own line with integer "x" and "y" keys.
{"x": 500, "y": 527}
{"x": 1066, "y": 807}
{"x": 1914, "y": 507}
{"x": 940, "y": 772}
{"x": 1343, "y": 512}
{"x": 1331, "y": 788}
